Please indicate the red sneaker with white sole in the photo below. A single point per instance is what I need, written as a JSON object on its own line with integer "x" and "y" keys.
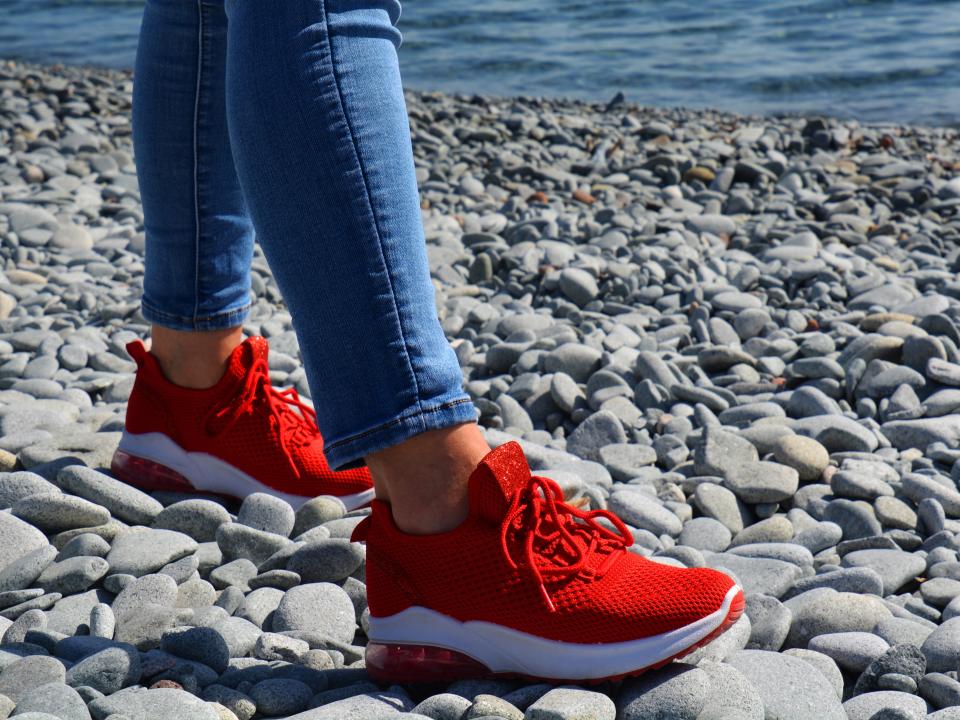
{"x": 529, "y": 586}
{"x": 239, "y": 437}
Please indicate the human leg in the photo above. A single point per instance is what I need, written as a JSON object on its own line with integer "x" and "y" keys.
{"x": 320, "y": 133}
{"x": 202, "y": 414}
{"x": 199, "y": 236}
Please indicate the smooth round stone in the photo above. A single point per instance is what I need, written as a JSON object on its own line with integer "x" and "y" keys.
{"x": 73, "y": 575}
{"x": 16, "y": 486}
{"x": 763, "y": 482}
{"x": 852, "y": 651}
{"x": 267, "y": 513}
{"x": 237, "y": 572}
{"x": 197, "y": 518}
{"x": 143, "y": 704}
{"x": 721, "y": 452}
{"x": 121, "y": 500}
{"x": 805, "y": 455}
{"x": 866, "y": 706}
{"x": 787, "y": 687}
{"x": 55, "y": 700}
{"x": 21, "y": 676}
{"x": 895, "y": 567}
{"x": 864, "y": 581}
{"x": 641, "y": 511}
{"x": 202, "y": 644}
{"x": 705, "y": 533}
{"x": 147, "y": 590}
{"x": 567, "y": 703}
{"x": 280, "y": 697}
{"x": 238, "y": 541}
{"x": 485, "y": 705}
{"x": 677, "y": 690}
{"x": 735, "y": 302}
{"x": 939, "y": 592}
{"x": 321, "y": 607}
{"x": 857, "y": 520}
{"x": 30, "y": 620}
{"x": 626, "y": 460}
{"x": 241, "y": 705}
{"x": 776, "y": 529}
{"x": 897, "y": 631}
{"x": 576, "y": 360}
{"x": 19, "y": 539}
{"x": 258, "y": 605}
{"x": 602, "y": 428}
{"x": 942, "y": 647}
{"x": 719, "y": 503}
{"x": 330, "y": 560}
{"x": 22, "y": 572}
{"x": 87, "y": 544}
{"x": 578, "y": 285}
{"x": 823, "y": 611}
{"x": 316, "y": 511}
{"x": 942, "y": 371}
{"x": 769, "y": 622}
{"x": 443, "y": 706}
{"x": 107, "y": 671}
{"x": 894, "y": 513}
{"x": 140, "y": 551}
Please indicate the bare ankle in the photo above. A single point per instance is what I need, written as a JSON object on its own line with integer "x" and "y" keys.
{"x": 425, "y": 478}
{"x": 194, "y": 359}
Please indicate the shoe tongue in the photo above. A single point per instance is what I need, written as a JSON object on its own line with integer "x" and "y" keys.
{"x": 497, "y": 478}
{"x": 242, "y": 359}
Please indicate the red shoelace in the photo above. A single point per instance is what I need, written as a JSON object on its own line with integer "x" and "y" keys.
{"x": 547, "y": 528}
{"x": 295, "y": 429}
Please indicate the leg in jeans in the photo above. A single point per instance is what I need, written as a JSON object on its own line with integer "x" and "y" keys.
{"x": 202, "y": 414}
{"x": 199, "y": 235}
{"x": 319, "y": 131}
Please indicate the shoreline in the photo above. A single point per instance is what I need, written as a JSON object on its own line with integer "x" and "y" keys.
{"x": 566, "y": 100}
{"x": 741, "y": 334}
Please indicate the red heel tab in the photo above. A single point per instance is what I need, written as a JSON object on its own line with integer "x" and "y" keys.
{"x": 361, "y": 530}
{"x": 501, "y": 473}
{"x": 137, "y": 350}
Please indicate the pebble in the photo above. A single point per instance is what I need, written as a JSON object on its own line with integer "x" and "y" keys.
{"x": 121, "y": 500}
{"x": 675, "y": 691}
{"x": 866, "y": 706}
{"x": 197, "y": 518}
{"x": 320, "y": 607}
{"x": 853, "y": 651}
{"x": 787, "y": 688}
{"x": 571, "y": 704}
{"x": 651, "y": 365}
{"x": 140, "y": 551}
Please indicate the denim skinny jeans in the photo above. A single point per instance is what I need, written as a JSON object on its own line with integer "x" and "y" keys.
{"x": 285, "y": 121}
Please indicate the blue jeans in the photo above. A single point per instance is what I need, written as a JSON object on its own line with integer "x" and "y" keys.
{"x": 286, "y": 120}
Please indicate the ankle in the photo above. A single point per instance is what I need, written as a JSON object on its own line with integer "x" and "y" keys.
{"x": 425, "y": 478}
{"x": 195, "y": 360}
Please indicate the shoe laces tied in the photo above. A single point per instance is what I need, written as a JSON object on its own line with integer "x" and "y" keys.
{"x": 548, "y": 527}
{"x": 294, "y": 428}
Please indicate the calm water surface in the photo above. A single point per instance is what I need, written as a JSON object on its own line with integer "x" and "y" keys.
{"x": 874, "y": 60}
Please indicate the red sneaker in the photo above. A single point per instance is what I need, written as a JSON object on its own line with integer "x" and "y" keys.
{"x": 529, "y": 586}
{"x": 239, "y": 437}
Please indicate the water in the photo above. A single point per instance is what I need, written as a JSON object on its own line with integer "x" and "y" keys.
{"x": 874, "y": 60}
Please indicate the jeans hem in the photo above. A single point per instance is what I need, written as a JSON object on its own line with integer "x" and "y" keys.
{"x": 217, "y": 321}
{"x": 403, "y": 427}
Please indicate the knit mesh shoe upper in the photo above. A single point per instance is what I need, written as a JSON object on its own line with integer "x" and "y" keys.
{"x": 526, "y": 560}
{"x": 269, "y": 434}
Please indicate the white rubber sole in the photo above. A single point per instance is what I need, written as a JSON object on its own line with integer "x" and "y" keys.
{"x": 505, "y": 650}
{"x": 207, "y": 473}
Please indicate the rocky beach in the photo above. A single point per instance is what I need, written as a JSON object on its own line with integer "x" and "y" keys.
{"x": 739, "y": 333}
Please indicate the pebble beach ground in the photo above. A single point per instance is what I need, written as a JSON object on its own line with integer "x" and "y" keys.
{"x": 739, "y": 333}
